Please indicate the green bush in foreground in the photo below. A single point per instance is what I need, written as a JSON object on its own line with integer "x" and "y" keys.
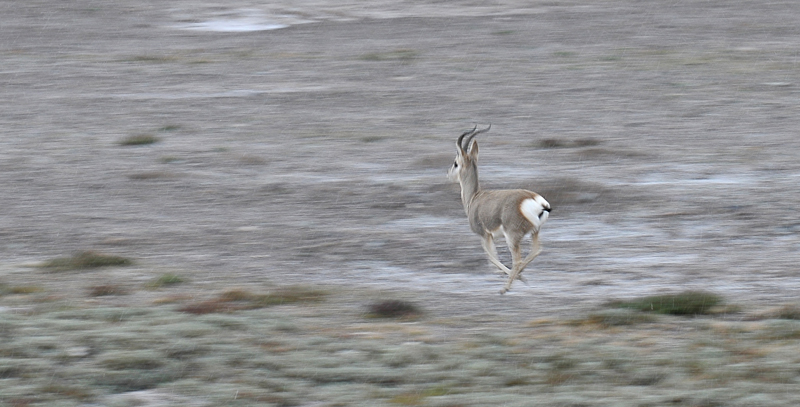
{"x": 685, "y": 303}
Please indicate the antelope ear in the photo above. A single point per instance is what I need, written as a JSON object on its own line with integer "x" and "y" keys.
{"x": 473, "y": 150}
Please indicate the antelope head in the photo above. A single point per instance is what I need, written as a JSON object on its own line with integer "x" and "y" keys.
{"x": 466, "y": 155}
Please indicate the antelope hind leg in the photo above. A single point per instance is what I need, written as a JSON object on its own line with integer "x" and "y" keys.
{"x": 536, "y": 249}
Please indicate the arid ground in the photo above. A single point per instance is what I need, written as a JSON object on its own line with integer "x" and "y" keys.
{"x": 300, "y": 148}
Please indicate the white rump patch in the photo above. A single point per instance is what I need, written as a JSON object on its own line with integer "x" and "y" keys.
{"x": 534, "y": 211}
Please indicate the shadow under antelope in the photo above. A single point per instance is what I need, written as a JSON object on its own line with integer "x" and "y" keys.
{"x": 514, "y": 213}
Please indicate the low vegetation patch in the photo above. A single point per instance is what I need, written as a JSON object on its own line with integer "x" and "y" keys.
{"x": 86, "y": 260}
{"x": 685, "y": 303}
{"x": 139, "y": 140}
{"x": 393, "y": 309}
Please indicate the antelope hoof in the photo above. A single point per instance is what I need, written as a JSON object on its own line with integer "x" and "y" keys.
{"x": 503, "y": 291}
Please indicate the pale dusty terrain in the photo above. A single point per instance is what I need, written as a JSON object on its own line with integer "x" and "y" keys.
{"x": 663, "y": 133}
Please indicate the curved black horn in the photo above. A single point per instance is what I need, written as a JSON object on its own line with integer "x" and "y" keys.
{"x": 465, "y": 134}
{"x": 475, "y": 133}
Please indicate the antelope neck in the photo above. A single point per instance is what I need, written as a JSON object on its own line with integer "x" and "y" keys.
{"x": 469, "y": 187}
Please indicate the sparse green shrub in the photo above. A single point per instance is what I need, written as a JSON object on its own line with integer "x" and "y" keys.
{"x": 164, "y": 280}
{"x": 685, "y": 303}
{"x": 86, "y": 260}
{"x": 139, "y": 140}
{"x": 393, "y": 309}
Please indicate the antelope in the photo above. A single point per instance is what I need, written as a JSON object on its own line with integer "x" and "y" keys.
{"x": 514, "y": 213}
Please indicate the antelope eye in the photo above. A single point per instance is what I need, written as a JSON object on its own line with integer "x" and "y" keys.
{"x": 455, "y": 164}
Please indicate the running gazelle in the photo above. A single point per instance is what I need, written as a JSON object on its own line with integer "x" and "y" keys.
{"x": 514, "y": 213}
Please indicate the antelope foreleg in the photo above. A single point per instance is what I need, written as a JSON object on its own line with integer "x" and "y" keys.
{"x": 488, "y": 246}
{"x": 516, "y": 255}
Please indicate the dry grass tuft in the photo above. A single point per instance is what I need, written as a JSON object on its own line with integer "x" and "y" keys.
{"x": 210, "y": 307}
{"x": 238, "y": 299}
{"x": 289, "y": 295}
{"x": 86, "y": 260}
{"x": 615, "y": 317}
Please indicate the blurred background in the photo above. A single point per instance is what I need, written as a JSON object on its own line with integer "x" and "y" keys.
{"x": 305, "y": 144}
